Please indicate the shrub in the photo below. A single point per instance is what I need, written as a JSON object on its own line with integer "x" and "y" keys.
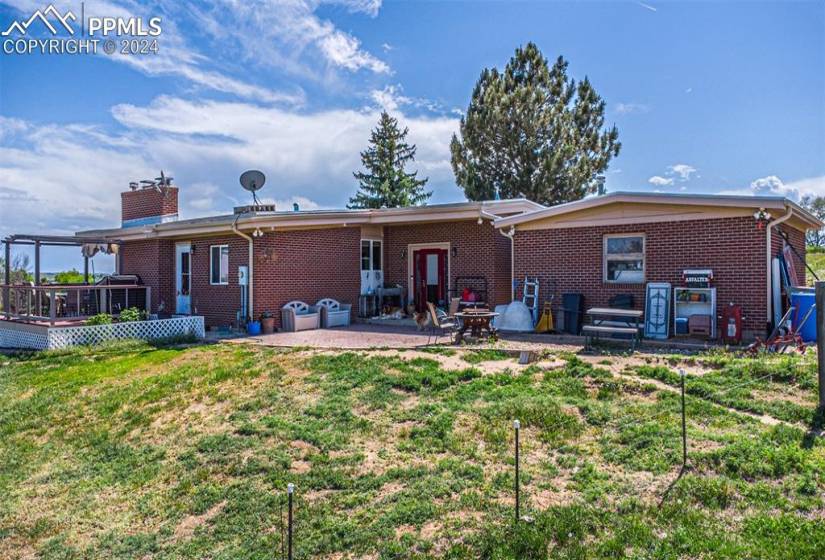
{"x": 131, "y": 315}
{"x": 100, "y": 319}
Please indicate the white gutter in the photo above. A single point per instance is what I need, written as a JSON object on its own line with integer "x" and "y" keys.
{"x": 769, "y": 267}
{"x": 509, "y": 235}
{"x": 250, "y": 281}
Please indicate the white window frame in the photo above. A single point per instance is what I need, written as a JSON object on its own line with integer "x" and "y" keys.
{"x": 626, "y": 257}
{"x": 211, "y": 268}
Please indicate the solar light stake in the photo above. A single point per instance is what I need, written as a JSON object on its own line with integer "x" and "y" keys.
{"x": 684, "y": 424}
{"x": 290, "y": 489}
{"x": 517, "y": 426}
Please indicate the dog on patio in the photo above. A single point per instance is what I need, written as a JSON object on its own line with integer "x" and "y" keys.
{"x": 421, "y": 319}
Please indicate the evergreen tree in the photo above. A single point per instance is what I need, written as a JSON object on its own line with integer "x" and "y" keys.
{"x": 532, "y": 132}
{"x": 386, "y": 184}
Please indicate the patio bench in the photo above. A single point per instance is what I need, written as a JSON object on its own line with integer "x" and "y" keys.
{"x": 298, "y": 316}
{"x": 592, "y": 332}
{"x": 334, "y": 313}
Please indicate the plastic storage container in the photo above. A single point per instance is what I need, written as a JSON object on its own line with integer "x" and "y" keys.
{"x": 573, "y": 310}
{"x": 681, "y": 325}
{"x": 802, "y": 302}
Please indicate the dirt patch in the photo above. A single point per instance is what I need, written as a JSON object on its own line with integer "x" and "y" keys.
{"x": 402, "y": 530}
{"x": 300, "y": 467}
{"x": 186, "y": 528}
{"x": 390, "y": 489}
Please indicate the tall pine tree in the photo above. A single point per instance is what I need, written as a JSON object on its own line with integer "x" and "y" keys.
{"x": 386, "y": 184}
{"x": 530, "y": 132}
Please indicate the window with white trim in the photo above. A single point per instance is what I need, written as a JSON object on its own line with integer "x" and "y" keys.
{"x": 219, "y": 264}
{"x": 624, "y": 258}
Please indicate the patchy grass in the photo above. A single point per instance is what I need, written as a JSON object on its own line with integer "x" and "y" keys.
{"x": 131, "y": 451}
{"x": 782, "y": 386}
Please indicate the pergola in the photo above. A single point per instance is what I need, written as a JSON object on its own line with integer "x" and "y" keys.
{"x": 39, "y": 241}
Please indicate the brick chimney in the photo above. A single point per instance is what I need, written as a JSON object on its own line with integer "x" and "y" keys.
{"x": 142, "y": 206}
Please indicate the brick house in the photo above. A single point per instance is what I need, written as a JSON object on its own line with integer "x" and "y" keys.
{"x": 193, "y": 265}
{"x": 656, "y": 237}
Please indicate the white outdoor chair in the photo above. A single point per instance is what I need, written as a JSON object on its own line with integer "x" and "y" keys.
{"x": 298, "y": 316}
{"x": 334, "y": 313}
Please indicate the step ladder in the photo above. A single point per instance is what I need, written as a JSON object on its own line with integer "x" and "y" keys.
{"x": 530, "y": 296}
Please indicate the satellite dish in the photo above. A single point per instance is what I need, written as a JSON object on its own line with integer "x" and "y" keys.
{"x": 252, "y": 181}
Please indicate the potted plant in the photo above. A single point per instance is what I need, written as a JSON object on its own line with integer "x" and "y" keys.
{"x": 267, "y": 322}
{"x": 253, "y": 327}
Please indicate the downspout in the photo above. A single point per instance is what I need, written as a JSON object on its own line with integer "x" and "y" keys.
{"x": 250, "y": 281}
{"x": 768, "y": 253}
{"x": 510, "y": 235}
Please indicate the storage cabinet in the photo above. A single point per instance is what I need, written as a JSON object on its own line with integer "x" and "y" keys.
{"x": 693, "y": 301}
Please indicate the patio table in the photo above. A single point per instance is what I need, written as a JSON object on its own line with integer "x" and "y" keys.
{"x": 477, "y": 321}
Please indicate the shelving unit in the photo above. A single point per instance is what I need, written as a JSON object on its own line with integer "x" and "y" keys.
{"x": 683, "y": 307}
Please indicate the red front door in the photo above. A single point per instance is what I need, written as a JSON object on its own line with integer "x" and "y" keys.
{"x": 430, "y": 277}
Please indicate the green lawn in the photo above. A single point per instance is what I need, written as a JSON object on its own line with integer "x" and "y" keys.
{"x": 138, "y": 452}
{"x": 816, "y": 260}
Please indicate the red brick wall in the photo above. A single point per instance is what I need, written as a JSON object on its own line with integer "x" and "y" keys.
{"x": 307, "y": 266}
{"x": 219, "y": 303}
{"x": 147, "y": 203}
{"x": 482, "y": 251}
{"x": 571, "y": 261}
{"x": 154, "y": 261}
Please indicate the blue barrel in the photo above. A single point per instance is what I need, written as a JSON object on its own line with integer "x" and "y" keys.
{"x": 253, "y": 328}
{"x": 802, "y": 302}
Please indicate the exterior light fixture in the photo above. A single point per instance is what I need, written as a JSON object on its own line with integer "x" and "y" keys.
{"x": 454, "y": 252}
{"x": 762, "y": 217}
{"x": 480, "y": 221}
{"x": 403, "y": 253}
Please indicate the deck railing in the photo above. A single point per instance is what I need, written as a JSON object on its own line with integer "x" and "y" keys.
{"x": 54, "y": 303}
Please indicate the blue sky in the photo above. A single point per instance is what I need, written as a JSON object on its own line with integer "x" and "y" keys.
{"x": 707, "y": 96}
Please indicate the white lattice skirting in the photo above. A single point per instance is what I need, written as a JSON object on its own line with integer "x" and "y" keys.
{"x": 37, "y": 337}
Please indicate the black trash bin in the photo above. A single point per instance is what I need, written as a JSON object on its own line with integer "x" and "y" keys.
{"x": 572, "y": 307}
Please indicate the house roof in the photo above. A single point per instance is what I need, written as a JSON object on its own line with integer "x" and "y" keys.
{"x": 663, "y": 199}
{"x": 307, "y": 219}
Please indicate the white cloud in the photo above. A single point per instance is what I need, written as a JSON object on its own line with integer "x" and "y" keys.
{"x": 345, "y": 51}
{"x": 56, "y": 178}
{"x": 773, "y": 185}
{"x": 628, "y": 108}
{"x": 287, "y": 35}
{"x": 391, "y": 98}
{"x": 647, "y": 6}
{"x": 682, "y": 170}
{"x": 660, "y": 181}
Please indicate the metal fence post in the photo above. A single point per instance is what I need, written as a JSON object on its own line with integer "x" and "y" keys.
{"x": 684, "y": 423}
{"x": 290, "y": 489}
{"x": 517, "y": 426}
